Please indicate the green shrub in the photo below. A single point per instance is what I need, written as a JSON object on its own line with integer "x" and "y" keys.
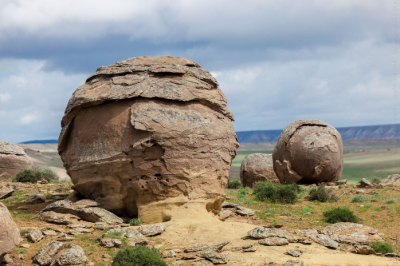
{"x": 138, "y": 256}
{"x": 28, "y": 176}
{"x": 115, "y": 234}
{"x": 135, "y": 222}
{"x": 24, "y": 233}
{"x": 321, "y": 194}
{"x": 359, "y": 198}
{"x": 49, "y": 174}
{"x": 283, "y": 193}
{"x": 234, "y": 184}
{"x": 380, "y": 247}
{"x": 374, "y": 199}
{"x": 340, "y": 214}
{"x": 375, "y": 180}
{"x": 390, "y": 201}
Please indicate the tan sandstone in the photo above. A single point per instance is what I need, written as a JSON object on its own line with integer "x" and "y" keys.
{"x": 257, "y": 167}
{"x": 308, "y": 151}
{"x": 148, "y": 134}
{"x": 9, "y": 233}
{"x": 13, "y": 159}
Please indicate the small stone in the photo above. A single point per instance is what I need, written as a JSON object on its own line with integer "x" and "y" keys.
{"x": 72, "y": 256}
{"x": 45, "y": 254}
{"x": 196, "y": 248}
{"x": 273, "y": 241}
{"x": 202, "y": 263}
{"x": 35, "y": 236}
{"x": 110, "y": 243}
{"x": 64, "y": 237}
{"x": 293, "y": 263}
{"x": 151, "y": 230}
{"x": 214, "y": 257}
{"x": 189, "y": 256}
{"x": 20, "y": 257}
{"x": 53, "y": 217}
{"x": 293, "y": 252}
{"x": 49, "y": 233}
{"x": 42, "y": 181}
{"x": 169, "y": 254}
{"x": 252, "y": 249}
{"x": 25, "y": 245}
{"x": 106, "y": 256}
{"x": 7, "y": 259}
{"x": 304, "y": 241}
{"x": 364, "y": 250}
{"x": 360, "y": 191}
{"x": 6, "y": 193}
{"x": 391, "y": 255}
{"x": 36, "y": 198}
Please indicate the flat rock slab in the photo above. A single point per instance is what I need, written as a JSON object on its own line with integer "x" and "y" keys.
{"x": 202, "y": 263}
{"x": 273, "y": 241}
{"x": 85, "y": 209}
{"x": 133, "y": 235}
{"x": 293, "y": 263}
{"x": 262, "y": 232}
{"x": 352, "y": 233}
{"x": 152, "y": 230}
{"x": 5, "y": 193}
{"x": 36, "y": 198}
{"x": 53, "y": 217}
{"x": 110, "y": 243}
{"x": 324, "y": 241}
{"x": 294, "y": 252}
{"x": 35, "y": 236}
{"x": 364, "y": 250}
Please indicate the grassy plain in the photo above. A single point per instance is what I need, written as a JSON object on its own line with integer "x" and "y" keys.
{"x": 362, "y": 158}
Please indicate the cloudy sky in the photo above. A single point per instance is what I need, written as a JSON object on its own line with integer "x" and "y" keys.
{"x": 276, "y": 61}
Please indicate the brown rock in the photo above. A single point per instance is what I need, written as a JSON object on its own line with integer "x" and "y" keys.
{"x": 9, "y": 233}
{"x": 35, "y": 236}
{"x": 36, "y": 198}
{"x": 5, "y": 193}
{"x": 13, "y": 159}
{"x": 161, "y": 135}
{"x": 257, "y": 167}
{"x": 5, "y": 175}
{"x": 308, "y": 151}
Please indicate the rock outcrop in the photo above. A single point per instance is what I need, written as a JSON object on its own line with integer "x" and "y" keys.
{"x": 352, "y": 233}
{"x": 147, "y": 134}
{"x": 9, "y": 233}
{"x": 13, "y": 159}
{"x": 257, "y": 167}
{"x": 308, "y": 151}
{"x": 391, "y": 181}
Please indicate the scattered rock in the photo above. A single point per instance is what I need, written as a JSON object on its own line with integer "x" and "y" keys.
{"x": 352, "y": 233}
{"x": 324, "y": 241}
{"x": 36, "y": 198}
{"x": 341, "y": 182}
{"x": 257, "y": 167}
{"x": 304, "y": 241}
{"x": 189, "y": 256}
{"x": 133, "y": 235}
{"x": 25, "y": 245}
{"x": 293, "y": 263}
{"x": 294, "y": 252}
{"x": 364, "y": 250}
{"x": 262, "y": 232}
{"x": 213, "y": 256}
{"x": 152, "y": 230}
{"x": 13, "y": 158}
{"x": 85, "y": 209}
{"x": 49, "y": 233}
{"x": 5, "y": 175}
{"x": 7, "y": 259}
{"x": 169, "y": 254}
{"x": 103, "y": 225}
{"x": 364, "y": 183}
{"x": 35, "y": 236}
{"x": 360, "y": 191}
{"x": 273, "y": 241}
{"x": 20, "y": 257}
{"x": 45, "y": 254}
{"x": 74, "y": 255}
{"x": 42, "y": 181}
{"x": 53, "y": 217}
{"x": 80, "y": 230}
{"x": 6, "y": 193}
{"x": 309, "y": 151}
{"x": 225, "y": 214}
{"x": 196, "y": 248}
{"x": 391, "y": 255}
{"x": 109, "y": 243}
{"x": 391, "y": 181}
{"x": 202, "y": 263}
{"x": 373, "y": 193}
{"x": 251, "y": 249}
{"x": 64, "y": 237}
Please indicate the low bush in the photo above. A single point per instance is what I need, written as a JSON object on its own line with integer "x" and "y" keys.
{"x": 359, "y": 198}
{"x": 390, "y": 201}
{"x": 375, "y": 180}
{"x": 283, "y": 193}
{"x": 138, "y": 256}
{"x": 321, "y": 194}
{"x": 135, "y": 222}
{"x": 340, "y": 214}
{"x": 380, "y": 247}
{"x": 32, "y": 176}
{"x": 49, "y": 174}
{"x": 234, "y": 184}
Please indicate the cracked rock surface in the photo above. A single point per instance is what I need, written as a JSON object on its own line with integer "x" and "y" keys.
{"x": 13, "y": 159}
{"x": 148, "y": 134}
{"x": 308, "y": 151}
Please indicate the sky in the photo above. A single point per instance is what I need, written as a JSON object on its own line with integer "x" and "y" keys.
{"x": 276, "y": 61}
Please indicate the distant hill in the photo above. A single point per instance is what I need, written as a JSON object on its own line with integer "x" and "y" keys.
{"x": 348, "y": 133}
{"x": 45, "y": 141}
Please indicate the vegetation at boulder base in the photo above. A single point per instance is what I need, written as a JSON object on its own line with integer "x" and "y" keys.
{"x": 282, "y": 193}
{"x": 234, "y": 184}
{"x": 381, "y": 247}
{"x": 32, "y": 176}
{"x": 135, "y": 222}
{"x": 138, "y": 256}
{"x": 321, "y": 194}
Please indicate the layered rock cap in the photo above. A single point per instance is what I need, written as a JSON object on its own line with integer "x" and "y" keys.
{"x": 257, "y": 167}
{"x": 148, "y": 134}
{"x": 308, "y": 151}
{"x": 13, "y": 159}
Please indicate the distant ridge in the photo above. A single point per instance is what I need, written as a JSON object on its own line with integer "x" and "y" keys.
{"x": 347, "y": 133}
{"x": 45, "y": 141}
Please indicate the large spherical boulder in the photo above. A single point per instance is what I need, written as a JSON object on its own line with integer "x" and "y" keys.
{"x": 308, "y": 151}
{"x": 148, "y": 134}
{"x": 9, "y": 233}
{"x": 13, "y": 159}
{"x": 257, "y": 167}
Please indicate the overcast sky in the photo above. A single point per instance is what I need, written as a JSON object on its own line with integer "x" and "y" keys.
{"x": 276, "y": 61}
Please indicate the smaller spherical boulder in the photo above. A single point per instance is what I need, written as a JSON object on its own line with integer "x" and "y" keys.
{"x": 308, "y": 151}
{"x": 13, "y": 159}
{"x": 9, "y": 233}
{"x": 257, "y": 167}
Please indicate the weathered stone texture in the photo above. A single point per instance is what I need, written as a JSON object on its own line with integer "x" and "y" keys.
{"x": 13, "y": 159}
{"x": 308, "y": 151}
{"x": 9, "y": 233}
{"x": 257, "y": 167}
{"x": 147, "y": 134}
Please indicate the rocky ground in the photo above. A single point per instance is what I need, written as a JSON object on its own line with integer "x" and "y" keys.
{"x": 247, "y": 232}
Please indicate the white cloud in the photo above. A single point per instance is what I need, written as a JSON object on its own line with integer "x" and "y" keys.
{"x": 4, "y": 97}
{"x": 29, "y": 118}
